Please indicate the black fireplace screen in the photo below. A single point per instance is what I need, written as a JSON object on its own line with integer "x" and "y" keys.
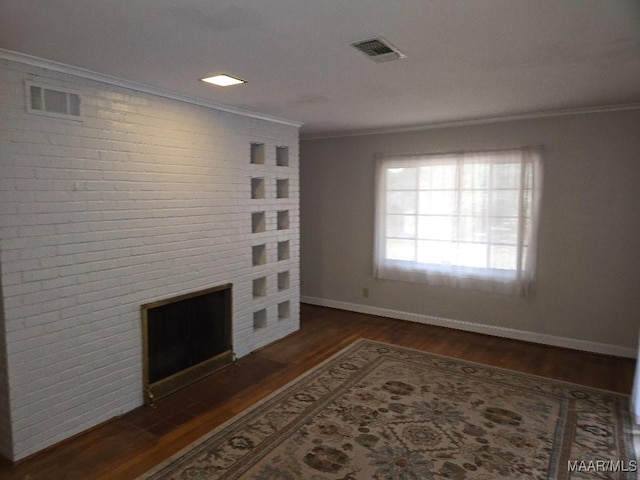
{"x": 182, "y": 334}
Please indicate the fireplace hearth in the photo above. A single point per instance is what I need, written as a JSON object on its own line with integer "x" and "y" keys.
{"x": 185, "y": 338}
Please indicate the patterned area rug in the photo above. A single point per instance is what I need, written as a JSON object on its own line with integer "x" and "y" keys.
{"x": 378, "y": 411}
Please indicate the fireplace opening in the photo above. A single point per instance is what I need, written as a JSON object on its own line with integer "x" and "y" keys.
{"x": 185, "y": 338}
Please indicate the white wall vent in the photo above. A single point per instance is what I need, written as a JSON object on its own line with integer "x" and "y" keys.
{"x": 55, "y": 102}
{"x": 378, "y": 49}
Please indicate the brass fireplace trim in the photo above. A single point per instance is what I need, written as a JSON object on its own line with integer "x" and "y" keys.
{"x": 162, "y": 388}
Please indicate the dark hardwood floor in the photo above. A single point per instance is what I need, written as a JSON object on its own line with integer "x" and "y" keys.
{"x": 128, "y": 446}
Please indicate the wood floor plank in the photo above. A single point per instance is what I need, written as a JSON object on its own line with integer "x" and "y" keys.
{"x": 130, "y": 445}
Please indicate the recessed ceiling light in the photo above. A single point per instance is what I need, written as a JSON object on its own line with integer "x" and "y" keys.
{"x": 223, "y": 80}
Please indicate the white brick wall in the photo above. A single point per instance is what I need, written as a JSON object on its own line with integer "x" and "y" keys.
{"x": 143, "y": 199}
{"x": 5, "y": 414}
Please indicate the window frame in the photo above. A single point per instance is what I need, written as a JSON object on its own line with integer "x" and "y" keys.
{"x": 521, "y": 278}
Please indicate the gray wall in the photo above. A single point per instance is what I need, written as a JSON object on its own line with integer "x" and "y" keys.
{"x": 589, "y": 255}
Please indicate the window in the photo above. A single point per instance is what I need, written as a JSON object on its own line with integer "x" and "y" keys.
{"x": 459, "y": 219}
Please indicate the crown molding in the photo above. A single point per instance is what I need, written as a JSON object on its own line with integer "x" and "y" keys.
{"x": 139, "y": 87}
{"x": 478, "y": 121}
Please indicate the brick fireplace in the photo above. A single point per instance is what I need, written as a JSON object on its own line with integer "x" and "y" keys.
{"x": 184, "y": 339}
{"x": 139, "y": 198}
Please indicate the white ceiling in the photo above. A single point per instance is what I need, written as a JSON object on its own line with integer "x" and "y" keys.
{"x": 466, "y": 59}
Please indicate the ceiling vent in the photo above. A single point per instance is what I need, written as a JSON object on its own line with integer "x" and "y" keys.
{"x": 378, "y": 50}
{"x": 44, "y": 100}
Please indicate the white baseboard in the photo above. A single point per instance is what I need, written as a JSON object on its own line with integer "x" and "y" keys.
{"x": 572, "y": 343}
